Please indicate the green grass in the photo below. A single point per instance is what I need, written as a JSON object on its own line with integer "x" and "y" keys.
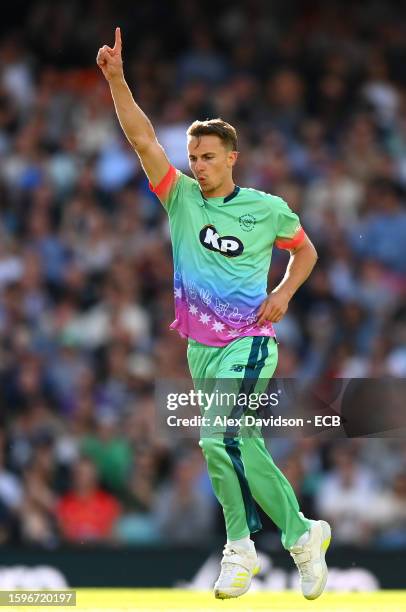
{"x": 143, "y": 600}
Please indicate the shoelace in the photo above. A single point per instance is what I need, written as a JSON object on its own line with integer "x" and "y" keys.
{"x": 228, "y": 569}
{"x": 302, "y": 559}
{"x": 229, "y": 550}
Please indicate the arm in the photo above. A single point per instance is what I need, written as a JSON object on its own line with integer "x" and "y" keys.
{"x": 135, "y": 124}
{"x": 301, "y": 263}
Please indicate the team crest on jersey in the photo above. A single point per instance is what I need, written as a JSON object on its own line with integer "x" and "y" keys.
{"x": 229, "y": 246}
{"x": 247, "y": 222}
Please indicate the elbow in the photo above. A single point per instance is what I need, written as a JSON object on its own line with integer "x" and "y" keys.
{"x": 307, "y": 248}
{"x": 307, "y": 251}
{"x": 310, "y": 253}
{"x": 141, "y": 144}
{"x": 311, "y": 249}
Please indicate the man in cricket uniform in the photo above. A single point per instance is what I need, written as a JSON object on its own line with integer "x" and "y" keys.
{"x": 222, "y": 237}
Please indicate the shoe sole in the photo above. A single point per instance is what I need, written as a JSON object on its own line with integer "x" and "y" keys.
{"x": 325, "y": 543}
{"x": 223, "y": 595}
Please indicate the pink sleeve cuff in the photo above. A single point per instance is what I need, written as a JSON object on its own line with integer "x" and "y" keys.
{"x": 165, "y": 184}
{"x": 291, "y": 243}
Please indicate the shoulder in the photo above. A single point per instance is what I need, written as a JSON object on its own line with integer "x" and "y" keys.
{"x": 186, "y": 188}
{"x": 172, "y": 186}
{"x": 187, "y": 181}
{"x": 182, "y": 182}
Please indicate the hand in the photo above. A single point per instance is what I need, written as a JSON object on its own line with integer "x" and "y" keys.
{"x": 109, "y": 59}
{"x": 273, "y": 308}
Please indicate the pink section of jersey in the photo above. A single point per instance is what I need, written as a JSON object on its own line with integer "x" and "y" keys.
{"x": 203, "y": 323}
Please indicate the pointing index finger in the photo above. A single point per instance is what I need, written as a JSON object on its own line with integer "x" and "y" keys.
{"x": 117, "y": 41}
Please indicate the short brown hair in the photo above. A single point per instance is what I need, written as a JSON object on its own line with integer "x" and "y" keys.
{"x": 218, "y": 127}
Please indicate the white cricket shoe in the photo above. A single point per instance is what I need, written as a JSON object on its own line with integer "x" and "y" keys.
{"x": 309, "y": 558}
{"x": 238, "y": 566}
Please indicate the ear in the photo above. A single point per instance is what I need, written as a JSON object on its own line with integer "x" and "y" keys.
{"x": 232, "y": 158}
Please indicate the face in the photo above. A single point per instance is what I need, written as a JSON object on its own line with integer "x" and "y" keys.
{"x": 85, "y": 476}
{"x": 210, "y": 162}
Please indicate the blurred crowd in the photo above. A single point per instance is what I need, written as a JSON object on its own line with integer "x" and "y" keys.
{"x": 108, "y": 479}
{"x": 317, "y": 93}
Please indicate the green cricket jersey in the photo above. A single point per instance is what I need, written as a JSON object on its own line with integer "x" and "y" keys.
{"x": 222, "y": 250}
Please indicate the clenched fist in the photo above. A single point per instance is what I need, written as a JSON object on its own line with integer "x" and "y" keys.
{"x": 109, "y": 59}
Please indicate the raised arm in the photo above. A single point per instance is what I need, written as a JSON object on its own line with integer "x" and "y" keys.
{"x": 135, "y": 124}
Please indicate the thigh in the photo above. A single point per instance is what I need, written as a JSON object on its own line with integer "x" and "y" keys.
{"x": 258, "y": 356}
{"x": 249, "y": 358}
{"x": 244, "y": 369}
{"x": 203, "y": 364}
{"x": 201, "y": 360}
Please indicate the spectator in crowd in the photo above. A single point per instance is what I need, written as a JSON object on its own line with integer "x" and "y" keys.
{"x": 87, "y": 513}
{"x": 38, "y": 524}
{"x": 11, "y": 489}
{"x": 137, "y": 524}
{"x": 345, "y": 493}
{"x": 110, "y": 451}
{"x": 181, "y": 508}
{"x": 388, "y": 514}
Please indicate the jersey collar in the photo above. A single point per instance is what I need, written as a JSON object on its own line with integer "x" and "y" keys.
{"x": 228, "y": 198}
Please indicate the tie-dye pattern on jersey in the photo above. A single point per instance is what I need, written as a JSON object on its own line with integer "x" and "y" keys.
{"x": 222, "y": 250}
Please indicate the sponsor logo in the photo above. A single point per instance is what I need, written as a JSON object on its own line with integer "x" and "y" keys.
{"x": 237, "y": 368}
{"x": 229, "y": 246}
{"x": 247, "y": 222}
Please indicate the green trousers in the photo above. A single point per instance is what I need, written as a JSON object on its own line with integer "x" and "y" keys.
{"x": 240, "y": 467}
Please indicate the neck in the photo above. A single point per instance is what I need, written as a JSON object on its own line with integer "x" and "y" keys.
{"x": 222, "y": 191}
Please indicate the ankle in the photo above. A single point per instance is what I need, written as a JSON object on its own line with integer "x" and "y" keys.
{"x": 245, "y": 543}
{"x": 303, "y": 539}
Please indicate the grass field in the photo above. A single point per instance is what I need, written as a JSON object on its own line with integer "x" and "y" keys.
{"x": 143, "y": 600}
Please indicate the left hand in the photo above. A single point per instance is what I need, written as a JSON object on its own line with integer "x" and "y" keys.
{"x": 109, "y": 59}
{"x": 273, "y": 308}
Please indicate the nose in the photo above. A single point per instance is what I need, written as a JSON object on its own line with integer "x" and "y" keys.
{"x": 199, "y": 167}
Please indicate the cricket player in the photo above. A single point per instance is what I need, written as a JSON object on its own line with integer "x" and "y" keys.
{"x": 222, "y": 237}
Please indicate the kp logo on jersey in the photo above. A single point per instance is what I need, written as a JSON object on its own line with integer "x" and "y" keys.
{"x": 229, "y": 246}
